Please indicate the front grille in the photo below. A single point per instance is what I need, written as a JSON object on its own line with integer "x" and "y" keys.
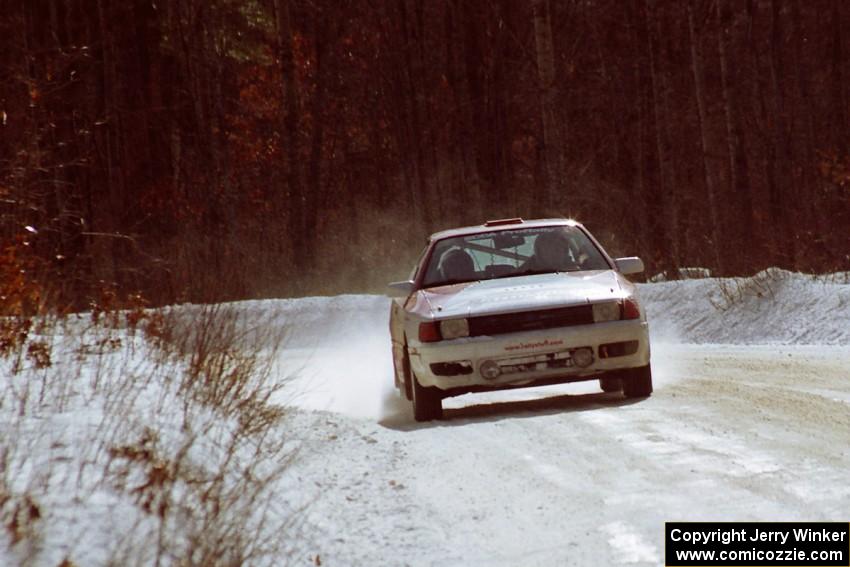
{"x": 530, "y": 320}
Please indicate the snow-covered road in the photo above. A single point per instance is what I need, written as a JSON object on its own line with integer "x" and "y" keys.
{"x": 564, "y": 475}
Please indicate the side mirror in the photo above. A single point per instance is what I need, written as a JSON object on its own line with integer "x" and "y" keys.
{"x": 400, "y": 289}
{"x": 630, "y": 265}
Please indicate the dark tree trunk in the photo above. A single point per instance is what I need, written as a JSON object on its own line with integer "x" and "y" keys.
{"x": 706, "y": 166}
{"x": 739, "y": 183}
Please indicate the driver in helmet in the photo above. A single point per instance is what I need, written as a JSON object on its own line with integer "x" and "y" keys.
{"x": 553, "y": 252}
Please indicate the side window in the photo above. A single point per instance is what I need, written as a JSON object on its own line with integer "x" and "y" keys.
{"x": 586, "y": 254}
{"x": 451, "y": 261}
{"x": 432, "y": 274}
{"x": 418, "y": 264}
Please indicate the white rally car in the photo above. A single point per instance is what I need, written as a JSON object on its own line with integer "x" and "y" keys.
{"x": 515, "y": 303}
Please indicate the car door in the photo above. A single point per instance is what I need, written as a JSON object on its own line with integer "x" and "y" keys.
{"x": 398, "y": 318}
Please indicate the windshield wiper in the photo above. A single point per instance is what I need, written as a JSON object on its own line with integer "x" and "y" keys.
{"x": 529, "y": 272}
{"x": 450, "y": 282}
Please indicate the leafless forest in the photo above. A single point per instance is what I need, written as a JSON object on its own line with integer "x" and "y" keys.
{"x": 223, "y": 149}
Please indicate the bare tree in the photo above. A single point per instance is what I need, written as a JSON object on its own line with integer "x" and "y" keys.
{"x": 552, "y": 148}
{"x": 702, "y": 120}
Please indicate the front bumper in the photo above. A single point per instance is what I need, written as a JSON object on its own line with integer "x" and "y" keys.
{"x": 528, "y": 358}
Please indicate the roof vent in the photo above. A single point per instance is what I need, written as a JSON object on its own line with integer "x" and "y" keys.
{"x": 500, "y": 222}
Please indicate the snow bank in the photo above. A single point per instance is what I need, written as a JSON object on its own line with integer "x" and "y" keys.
{"x": 772, "y": 307}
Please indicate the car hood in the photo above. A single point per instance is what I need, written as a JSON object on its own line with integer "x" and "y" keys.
{"x": 526, "y": 293}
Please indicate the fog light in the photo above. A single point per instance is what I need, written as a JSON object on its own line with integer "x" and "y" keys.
{"x": 583, "y": 357}
{"x": 624, "y": 348}
{"x": 451, "y": 368}
{"x": 489, "y": 370}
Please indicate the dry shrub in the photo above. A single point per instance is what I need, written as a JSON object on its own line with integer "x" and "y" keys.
{"x": 38, "y": 352}
{"x": 13, "y": 334}
{"x": 135, "y": 313}
{"x": 20, "y": 513}
{"x": 734, "y": 291}
{"x": 23, "y": 515}
{"x": 188, "y": 436}
{"x": 20, "y": 294}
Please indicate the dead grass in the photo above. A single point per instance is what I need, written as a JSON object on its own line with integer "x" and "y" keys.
{"x": 735, "y": 291}
{"x": 169, "y": 429}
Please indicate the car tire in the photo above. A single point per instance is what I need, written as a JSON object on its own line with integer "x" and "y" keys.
{"x": 407, "y": 374}
{"x": 427, "y": 402}
{"x": 637, "y": 382}
{"x": 610, "y": 384}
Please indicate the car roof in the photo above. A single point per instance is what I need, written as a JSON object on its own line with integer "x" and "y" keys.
{"x": 498, "y": 225}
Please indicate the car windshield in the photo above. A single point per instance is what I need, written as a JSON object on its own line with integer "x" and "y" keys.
{"x": 510, "y": 253}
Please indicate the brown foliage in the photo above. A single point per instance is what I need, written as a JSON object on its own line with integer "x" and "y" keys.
{"x": 282, "y": 147}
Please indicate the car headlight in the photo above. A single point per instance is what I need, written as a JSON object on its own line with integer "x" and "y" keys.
{"x": 608, "y": 311}
{"x": 454, "y": 328}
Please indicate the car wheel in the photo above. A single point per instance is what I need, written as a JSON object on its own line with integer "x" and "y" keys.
{"x": 427, "y": 402}
{"x": 609, "y": 384}
{"x": 407, "y": 374}
{"x": 637, "y": 382}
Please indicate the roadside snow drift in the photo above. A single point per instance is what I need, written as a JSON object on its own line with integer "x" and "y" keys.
{"x": 772, "y": 307}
